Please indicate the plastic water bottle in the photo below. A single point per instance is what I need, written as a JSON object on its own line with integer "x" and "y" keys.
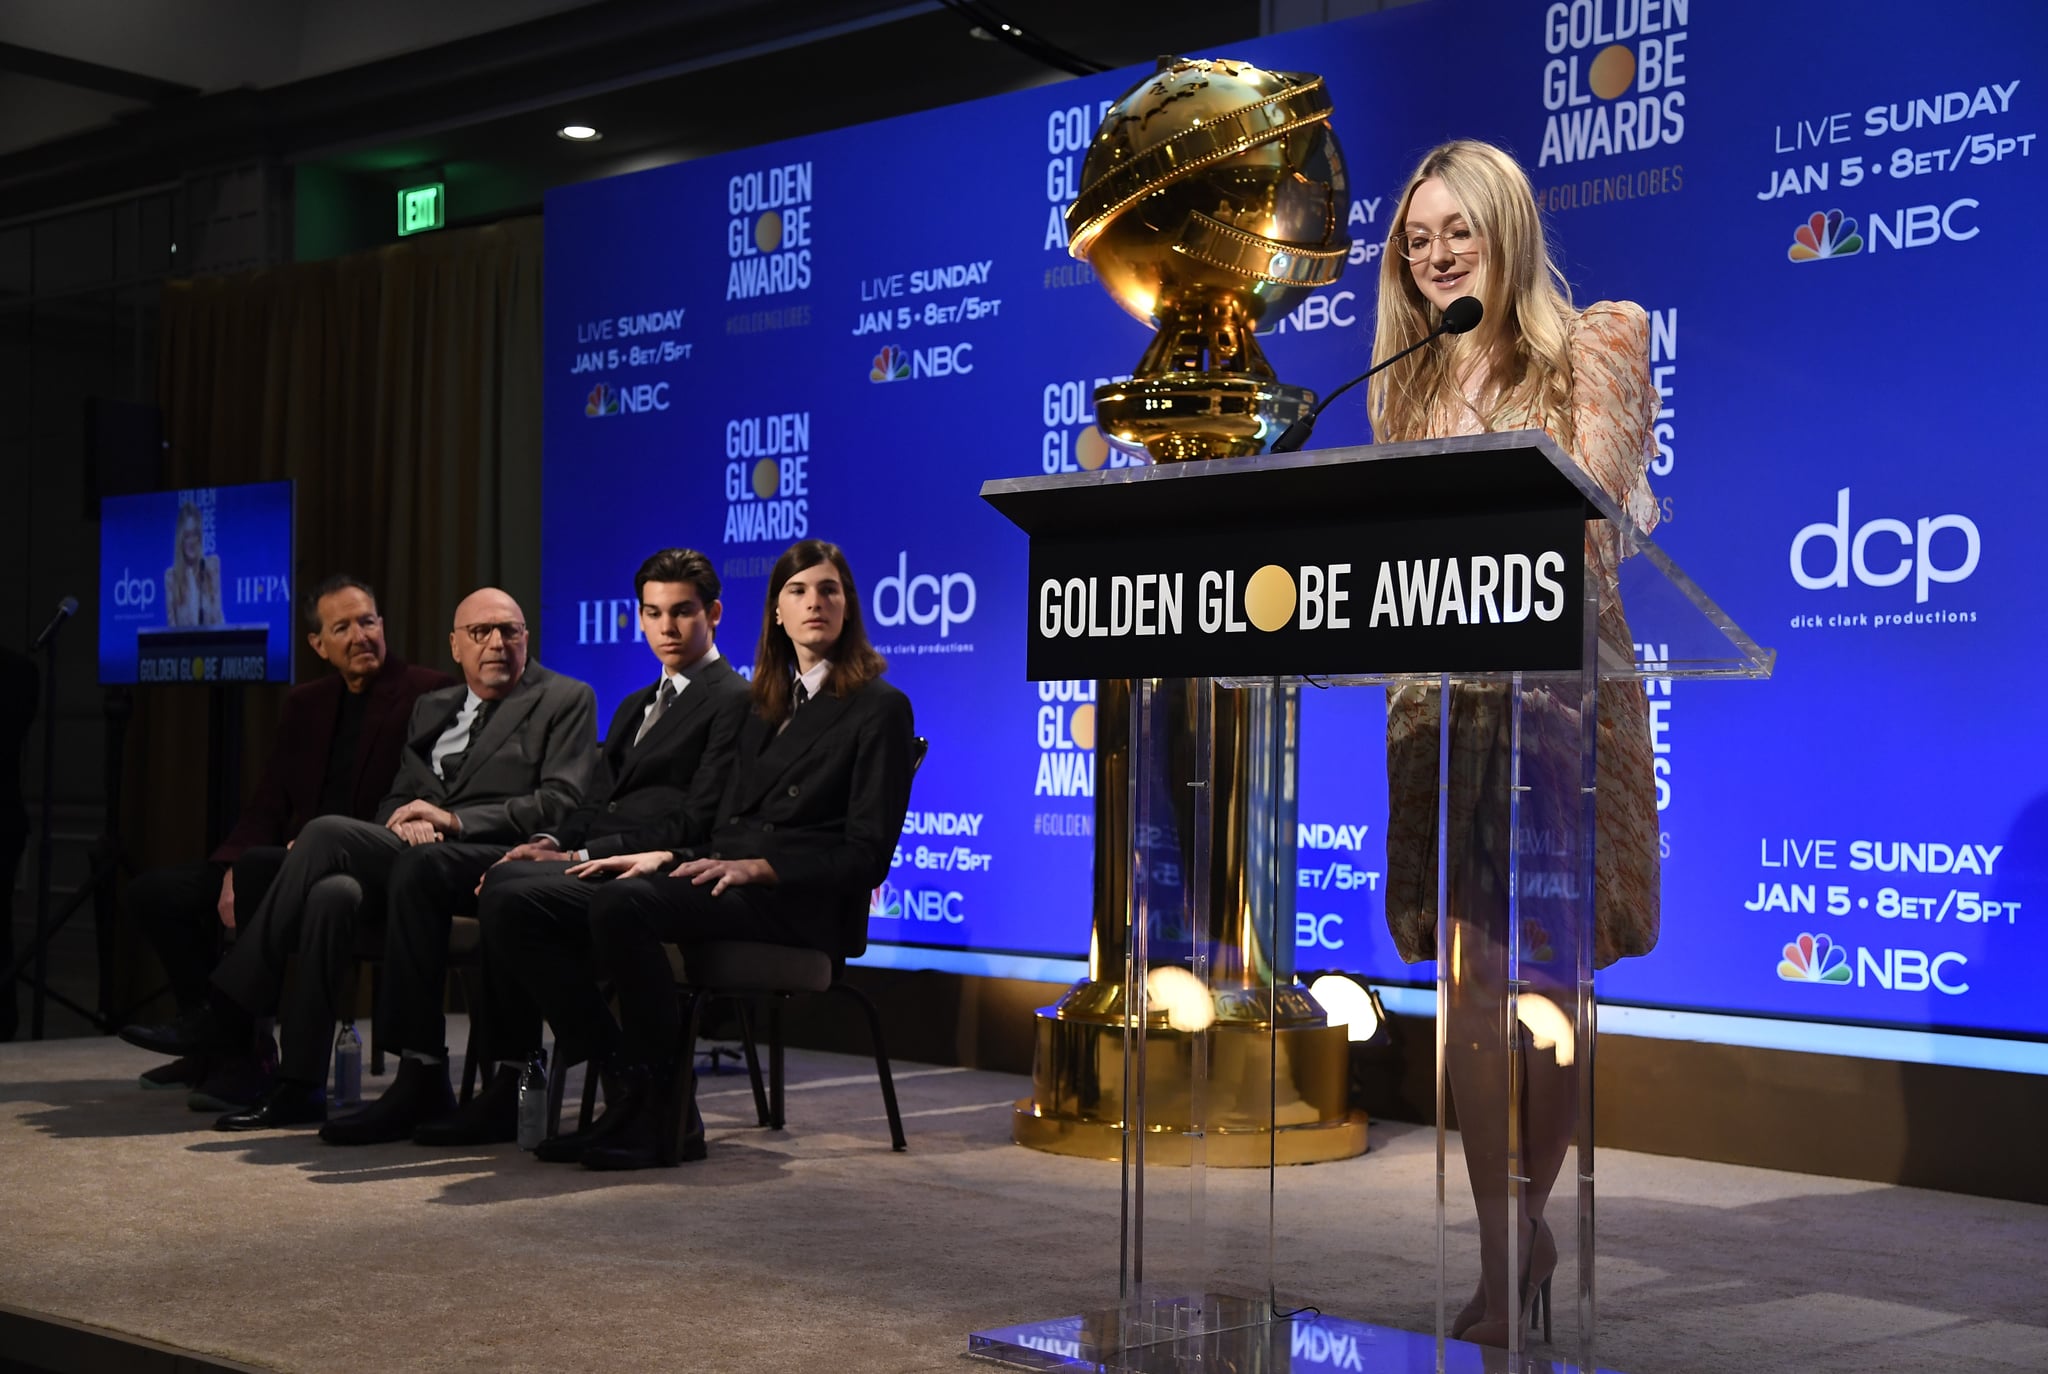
{"x": 533, "y": 1101}
{"x": 348, "y": 1067}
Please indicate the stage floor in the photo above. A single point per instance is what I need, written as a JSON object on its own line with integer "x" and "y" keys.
{"x": 817, "y": 1249}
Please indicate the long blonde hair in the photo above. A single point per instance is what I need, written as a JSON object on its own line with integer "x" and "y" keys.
{"x": 1521, "y": 341}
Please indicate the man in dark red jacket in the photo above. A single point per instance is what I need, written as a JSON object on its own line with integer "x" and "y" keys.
{"x": 337, "y": 750}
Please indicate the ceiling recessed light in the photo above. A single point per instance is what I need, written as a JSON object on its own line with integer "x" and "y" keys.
{"x": 578, "y": 133}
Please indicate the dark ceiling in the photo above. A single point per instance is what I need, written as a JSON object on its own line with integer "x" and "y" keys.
{"x": 662, "y": 80}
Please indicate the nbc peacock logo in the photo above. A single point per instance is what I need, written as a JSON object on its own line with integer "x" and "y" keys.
{"x": 1814, "y": 959}
{"x": 892, "y": 364}
{"x": 602, "y": 400}
{"x": 885, "y": 903}
{"x": 1823, "y": 236}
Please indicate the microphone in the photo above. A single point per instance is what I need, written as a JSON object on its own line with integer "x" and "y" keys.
{"x": 66, "y": 608}
{"x": 1460, "y": 316}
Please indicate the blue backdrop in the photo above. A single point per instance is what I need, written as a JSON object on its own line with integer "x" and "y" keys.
{"x": 844, "y": 335}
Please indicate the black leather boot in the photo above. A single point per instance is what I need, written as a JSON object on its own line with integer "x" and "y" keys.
{"x": 419, "y": 1094}
{"x": 647, "y": 1140}
{"x": 489, "y": 1118}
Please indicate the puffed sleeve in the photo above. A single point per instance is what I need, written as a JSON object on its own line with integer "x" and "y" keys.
{"x": 1614, "y": 404}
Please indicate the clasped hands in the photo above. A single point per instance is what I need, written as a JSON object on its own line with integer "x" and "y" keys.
{"x": 422, "y": 822}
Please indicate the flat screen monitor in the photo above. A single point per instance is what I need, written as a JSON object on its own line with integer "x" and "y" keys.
{"x": 196, "y": 585}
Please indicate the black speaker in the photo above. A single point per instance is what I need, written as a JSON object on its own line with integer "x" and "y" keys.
{"x": 124, "y": 450}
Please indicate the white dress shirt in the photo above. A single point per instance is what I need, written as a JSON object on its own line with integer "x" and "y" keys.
{"x": 456, "y": 735}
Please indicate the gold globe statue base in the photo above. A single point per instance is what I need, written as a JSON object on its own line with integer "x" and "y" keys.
{"x": 1176, "y": 419}
{"x": 1295, "y": 1114}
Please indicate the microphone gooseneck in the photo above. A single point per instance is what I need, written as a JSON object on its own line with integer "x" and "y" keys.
{"x": 1461, "y": 316}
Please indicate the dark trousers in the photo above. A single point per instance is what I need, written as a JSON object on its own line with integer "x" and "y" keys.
{"x": 537, "y": 965}
{"x": 177, "y": 910}
{"x": 631, "y": 920}
{"x": 429, "y": 886}
{"x": 332, "y": 881}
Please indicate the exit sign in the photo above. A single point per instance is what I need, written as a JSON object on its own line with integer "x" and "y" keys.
{"x": 421, "y": 208}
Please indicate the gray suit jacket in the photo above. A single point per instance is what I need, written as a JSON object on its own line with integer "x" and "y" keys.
{"x": 536, "y": 760}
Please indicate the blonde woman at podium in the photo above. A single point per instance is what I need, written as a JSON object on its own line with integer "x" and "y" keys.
{"x": 1467, "y": 225}
{"x": 192, "y": 582}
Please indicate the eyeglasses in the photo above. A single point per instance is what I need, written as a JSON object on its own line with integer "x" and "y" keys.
{"x": 511, "y": 631}
{"x": 1417, "y": 246}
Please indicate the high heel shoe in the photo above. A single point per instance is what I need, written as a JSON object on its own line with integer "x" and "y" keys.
{"x": 1534, "y": 1307}
{"x": 1536, "y": 1279}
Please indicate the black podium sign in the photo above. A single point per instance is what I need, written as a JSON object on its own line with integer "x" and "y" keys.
{"x": 1348, "y": 561}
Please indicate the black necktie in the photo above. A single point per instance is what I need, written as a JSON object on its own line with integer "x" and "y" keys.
{"x": 663, "y": 699}
{"x": 451, "y": 767}
{"x": 798, "y": 697}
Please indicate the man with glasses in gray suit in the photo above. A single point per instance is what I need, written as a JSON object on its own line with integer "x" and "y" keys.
{"x": 507, "y": 754}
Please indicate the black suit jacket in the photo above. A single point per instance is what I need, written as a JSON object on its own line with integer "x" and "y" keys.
{"x": 532, "y": 767}
{"x": 823, "y": 802}
{"x": 289, "y": 794}
{"x": 662, "y": 792}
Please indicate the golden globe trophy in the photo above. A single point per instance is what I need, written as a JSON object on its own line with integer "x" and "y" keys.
{"x": 1213, "y": 197}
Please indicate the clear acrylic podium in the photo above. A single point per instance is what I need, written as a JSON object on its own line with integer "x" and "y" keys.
{"x": 1235, "y": 585}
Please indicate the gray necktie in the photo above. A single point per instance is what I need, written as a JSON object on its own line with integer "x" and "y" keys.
{"x": 663, "y": 699}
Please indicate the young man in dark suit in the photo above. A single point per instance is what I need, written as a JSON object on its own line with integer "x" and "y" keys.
{"x": 335, "y": 754}
{"x": 668, "y": 754}
{"x": 508, "y": 752}
{"x": 805, "y": 831}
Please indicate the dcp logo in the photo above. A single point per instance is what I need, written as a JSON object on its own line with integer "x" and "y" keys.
{"x": 1905, "y": 550}
{"x": 134, "y": 593}
{"x": 925, "y": 598}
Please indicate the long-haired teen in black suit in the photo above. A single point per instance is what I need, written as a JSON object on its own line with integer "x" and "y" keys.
{"x": 806, "y": 830}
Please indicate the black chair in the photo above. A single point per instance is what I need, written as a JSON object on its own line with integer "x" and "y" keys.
{"x": 558, "y": 1074}
{"x": 743, "y": 970}
{"x": 465, "y": 960}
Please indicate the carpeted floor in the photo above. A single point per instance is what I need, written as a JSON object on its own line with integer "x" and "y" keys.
{"x": 817, "y": 1249}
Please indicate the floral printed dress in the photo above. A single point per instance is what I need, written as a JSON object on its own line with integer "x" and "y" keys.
{"x": 1613, "y": 405}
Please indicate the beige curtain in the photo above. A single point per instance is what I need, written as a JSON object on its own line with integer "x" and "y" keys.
{"x": 400, "y": 389}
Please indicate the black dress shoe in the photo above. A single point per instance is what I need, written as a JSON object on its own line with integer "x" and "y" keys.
{"x": 630, "y": 1107}
{"x": 232, "y": 1082}
{"x": 196, "y": 1032}
{"x": 419, "y": 1094}
{"x": 183, "y": 1073}
{"x": 568, "y": 1147}
{"x": 289, "y": 1103}
{"x": 489, "y": 1118}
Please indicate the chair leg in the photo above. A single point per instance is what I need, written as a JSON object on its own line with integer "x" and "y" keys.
{"x": 775, "y": 1062}
{"x": 881, "y": 1062}
{"x": 475, "y": 1073}
{"x": 376, "y": 1049}
{"x": 472, "y": 998}
{"x": 739, "y": 1005}
{"x": 682, "y": 1088}
{"x": 558, "y": 1077}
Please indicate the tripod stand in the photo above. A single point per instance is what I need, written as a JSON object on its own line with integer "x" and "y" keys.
{"x": 106, "y": 855}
